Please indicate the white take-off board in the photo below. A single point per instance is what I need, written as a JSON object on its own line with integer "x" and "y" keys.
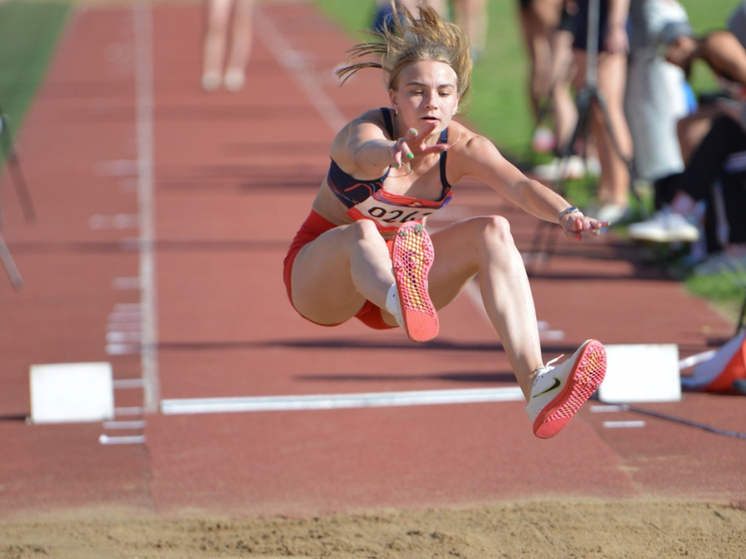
{"x": 641, "y": 373}
{"x": 71, "y": 392}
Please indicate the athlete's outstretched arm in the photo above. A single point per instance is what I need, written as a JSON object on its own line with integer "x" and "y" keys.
{"x": 483, "y": 161}
{"x": 363, "y": 150}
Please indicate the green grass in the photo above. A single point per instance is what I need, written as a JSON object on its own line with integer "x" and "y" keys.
{"x": 725, "y": 291}
{"x": 29, "y": 32}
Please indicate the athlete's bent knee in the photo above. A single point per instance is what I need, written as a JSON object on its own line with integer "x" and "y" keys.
{"x": 497, "y": 229}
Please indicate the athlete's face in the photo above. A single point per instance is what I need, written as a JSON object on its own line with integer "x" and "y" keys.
{"x": 427, "y": 93}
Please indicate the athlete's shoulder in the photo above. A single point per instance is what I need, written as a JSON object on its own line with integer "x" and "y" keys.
{"x": 465, "y": 141}
{"x": 372, "y": 116}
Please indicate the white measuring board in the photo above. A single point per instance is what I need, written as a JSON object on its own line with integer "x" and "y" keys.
{"x": 71, "y": 392}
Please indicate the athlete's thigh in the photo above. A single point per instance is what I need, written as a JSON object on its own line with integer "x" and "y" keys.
{"x": 322, "y": 287}
{"x": 456, "y": 260}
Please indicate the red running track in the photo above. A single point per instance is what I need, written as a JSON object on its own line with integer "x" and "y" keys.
{"x": 163, "y": 218}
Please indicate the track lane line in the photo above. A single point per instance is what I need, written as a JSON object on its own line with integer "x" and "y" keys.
{"x": 143, "y": 31}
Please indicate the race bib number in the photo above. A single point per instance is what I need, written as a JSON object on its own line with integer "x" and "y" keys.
{"x": 389, "y": 217}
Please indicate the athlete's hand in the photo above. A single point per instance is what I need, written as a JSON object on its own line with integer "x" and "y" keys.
{"x": 413, "y": 144}
{"x": 575, "y": 225}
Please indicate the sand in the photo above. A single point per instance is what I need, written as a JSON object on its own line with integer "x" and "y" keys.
{"x": 634, "y": 529}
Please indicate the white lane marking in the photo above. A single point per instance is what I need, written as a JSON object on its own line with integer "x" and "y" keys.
{"x": 127, "y": 307}
{"x": 107, "y": 440}
{"x": 132, "y": 410}
{"x": 608, "y": 409}
{"x": 127, "y": 383}
{"x": 116, "y": 221}
{"x": 116, "y": 168}
{"x": 696, "y": 359}
{"x": 125, "y": 284}
{"x": 119, "y": 337}
{"x": 295, "y": 64}
{"x": 623, "y": 424}
{"x": 114, "y": 425}
{"x": 123, "y": 327}
{"x": 143, "y": 35}
{"x": 123, "y": 349}
{"x": 124, "y": 316}
{"x": 339, "y": 401}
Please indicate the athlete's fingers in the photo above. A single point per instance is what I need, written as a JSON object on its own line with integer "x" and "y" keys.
{"x": 593, "y": 226}
{"x": 584, "y": 225}
{"x": 406, "y": 150}
{"x": 398, "y": 150}
{"x": 418, "y": 139}
{"x": 597, "y": 225}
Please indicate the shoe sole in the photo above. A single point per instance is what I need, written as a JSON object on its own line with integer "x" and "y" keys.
{"x": 587, "y": 374}
{"x": 412, "y": 257}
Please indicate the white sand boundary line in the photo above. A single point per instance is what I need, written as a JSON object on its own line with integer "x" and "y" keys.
{"x": 339, "y": 401}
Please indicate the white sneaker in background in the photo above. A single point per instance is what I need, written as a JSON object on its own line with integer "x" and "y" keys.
{"x": 664, "y": 227}
{"x": 543, "y": 140}
{"x": 234, "y": 80}
{"x": 571, "y": 167}
{"x": 613, "y": 213}
{"x": 210, "y": 81}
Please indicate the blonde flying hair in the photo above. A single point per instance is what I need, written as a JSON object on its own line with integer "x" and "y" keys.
{"x": 407, "y": 39}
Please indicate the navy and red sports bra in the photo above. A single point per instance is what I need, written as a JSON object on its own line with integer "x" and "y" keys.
{"x": 366, "y": 199}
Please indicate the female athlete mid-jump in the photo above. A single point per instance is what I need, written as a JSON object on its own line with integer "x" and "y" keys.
{"x": 364, "y": 251}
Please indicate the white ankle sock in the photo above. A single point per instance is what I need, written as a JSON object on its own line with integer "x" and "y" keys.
{"x": 393, "y": 306}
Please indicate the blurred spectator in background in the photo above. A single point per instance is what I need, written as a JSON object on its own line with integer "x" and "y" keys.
{"x": 549, "y": 45}
{"x": 713, "y": 144}
{"x": 658, "y": 95}
{"x": 227, "y": 19}
{"x": 385, "y": 10}
{"x": 719, "y": 162}
{"x": 613, "y": 46}
{"x": 737, "y": 23}
{"x": 725, "y": 55}
{"x": 560, "y": 102}
{"x": 471, "y": 17}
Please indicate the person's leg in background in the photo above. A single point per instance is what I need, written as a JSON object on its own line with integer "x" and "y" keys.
{"x": 538, "y": 20}
{"x": 615, "y": 178}
{"x": 215, "y": 42}
{"x": 471, "y": 16}
{"x": 241, "y": 37}
{"x": 564, "y": 109}
{"x": 613, "y": 189}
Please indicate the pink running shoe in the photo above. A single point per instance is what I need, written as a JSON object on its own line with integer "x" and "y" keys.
{"x": 412, "y": 256}
{"x": 558, "y": 392}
